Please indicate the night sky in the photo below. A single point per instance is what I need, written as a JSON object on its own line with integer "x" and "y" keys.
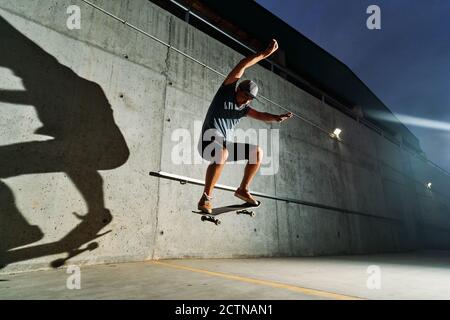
{"x": 406, "y": 63}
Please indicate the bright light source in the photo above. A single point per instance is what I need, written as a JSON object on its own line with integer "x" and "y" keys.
{"x": 336, "y": 133}
{"x": 429, "y": 185}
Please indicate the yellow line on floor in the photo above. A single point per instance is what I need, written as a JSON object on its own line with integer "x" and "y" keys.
{"x": 307, "y": 291}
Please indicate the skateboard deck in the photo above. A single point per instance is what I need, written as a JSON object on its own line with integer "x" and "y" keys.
{"x": 244, "y": 208}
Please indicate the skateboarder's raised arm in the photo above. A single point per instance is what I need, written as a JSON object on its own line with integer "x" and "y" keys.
{"x": 249, "y": 61}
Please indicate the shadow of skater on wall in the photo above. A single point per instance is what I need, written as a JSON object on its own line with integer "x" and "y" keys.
{"x": 77, "y": 115}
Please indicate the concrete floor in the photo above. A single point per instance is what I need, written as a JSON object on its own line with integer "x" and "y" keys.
{"x": 424, "y": 275}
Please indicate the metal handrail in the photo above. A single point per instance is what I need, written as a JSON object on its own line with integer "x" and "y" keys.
{"x": 187, "y": 180}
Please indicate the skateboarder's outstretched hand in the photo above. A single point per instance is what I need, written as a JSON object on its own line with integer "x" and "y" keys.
{"x": 285, "y": 116}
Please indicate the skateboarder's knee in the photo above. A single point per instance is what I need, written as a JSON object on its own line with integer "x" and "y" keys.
{"x": 255, "y": 155}
{"x": 259, "y": 153}
{"x": 222, "y": 156}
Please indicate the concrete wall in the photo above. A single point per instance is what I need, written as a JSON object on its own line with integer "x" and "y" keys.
{"x": 86, "y": 114}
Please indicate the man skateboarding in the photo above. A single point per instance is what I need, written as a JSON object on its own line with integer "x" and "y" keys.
{"x": 228, "y": 106}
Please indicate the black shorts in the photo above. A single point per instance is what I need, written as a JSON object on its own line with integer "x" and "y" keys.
{"x": 236, "y": 150}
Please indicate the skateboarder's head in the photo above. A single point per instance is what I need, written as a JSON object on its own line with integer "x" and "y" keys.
{"x": 246, "y": 91}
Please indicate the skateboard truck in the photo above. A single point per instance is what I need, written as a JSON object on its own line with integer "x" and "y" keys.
{"x": 250, "y": 213}
{"x": 212, "y": 219}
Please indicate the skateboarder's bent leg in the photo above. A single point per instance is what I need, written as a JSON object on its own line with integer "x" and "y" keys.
{"x": 252, "y": 166}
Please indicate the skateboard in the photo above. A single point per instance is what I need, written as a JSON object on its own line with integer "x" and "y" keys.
{"x": 244, "y": 208}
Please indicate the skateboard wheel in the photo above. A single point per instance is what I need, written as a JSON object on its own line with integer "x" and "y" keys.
{"x": 203, "y": 218}
{"x": 217, "y": 222}
{"x": 252, "y": 214}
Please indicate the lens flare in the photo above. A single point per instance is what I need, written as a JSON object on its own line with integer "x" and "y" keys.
{"x": 417, "y": 121}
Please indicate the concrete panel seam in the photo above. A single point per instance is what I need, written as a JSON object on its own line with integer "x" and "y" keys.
{"x": 166, "y": 74}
